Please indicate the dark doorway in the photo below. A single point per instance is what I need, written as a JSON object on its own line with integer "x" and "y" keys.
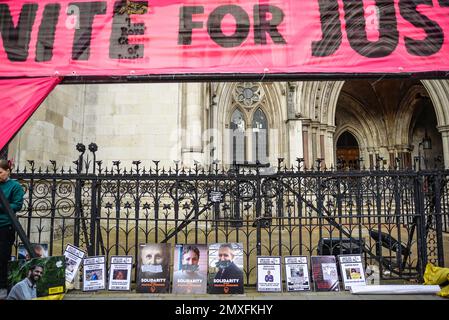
{"x": 347, "y": 151}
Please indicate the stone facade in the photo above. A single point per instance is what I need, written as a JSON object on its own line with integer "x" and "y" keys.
{"x": 191, "y": 122}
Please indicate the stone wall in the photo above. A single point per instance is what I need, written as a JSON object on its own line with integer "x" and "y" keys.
{"x": 128, "y": 122}
{"x": 53, "y": 130}
{"x": 133, "y": 122}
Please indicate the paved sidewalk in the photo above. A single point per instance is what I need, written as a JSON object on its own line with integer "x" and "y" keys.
{"x": 250, "y": 294}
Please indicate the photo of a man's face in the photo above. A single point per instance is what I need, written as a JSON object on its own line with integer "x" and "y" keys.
{"x": 36, "y": 273}
{"x": 225, "y": 256}
{"x": 153, "y": 255}
{"x": 154, "y": 258}
{"x": 190, "y": 258}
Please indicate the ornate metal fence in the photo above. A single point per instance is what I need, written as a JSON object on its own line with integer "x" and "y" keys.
{"x": 398, "y": 220}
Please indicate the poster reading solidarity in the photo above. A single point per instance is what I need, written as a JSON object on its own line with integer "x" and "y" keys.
{"x": 120, "y": 273}
{"x": 190, "y": 268}
{"x": 94, "y": 273}
{"x": 269, "y": 277}
{"x": 297, "y": 273}
{"x": 73, "y": 259}
{"x": 325, "y": 274}
{"x": 352, "y": 270}
{"x": 225, "y": 268}
{"x": 153, "y": 272}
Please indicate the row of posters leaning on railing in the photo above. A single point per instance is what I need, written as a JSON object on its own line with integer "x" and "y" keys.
{"x": 197, "y": 269}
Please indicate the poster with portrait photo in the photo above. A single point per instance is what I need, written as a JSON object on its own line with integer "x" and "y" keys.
{"x": 352, "y": 271}
{"x": 190, "y": 269}
{"x": 73, "y": 259}
{"x": 94, "y": 273}
{"x": 324, "y": 273}
{"x": 40, "y": 250}
{"x": 120, "y": 273}
{"x": 269, "y": 278}
{"x": 153, "y": 270}
{"x": 225, "y": 268}
{"x": 297, "y": 273}
{"x": 52, "y": 279}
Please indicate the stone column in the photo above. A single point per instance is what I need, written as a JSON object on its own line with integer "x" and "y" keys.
{"x": 370, "y": 162}
{"x": 295, "y": 140}
{"x": 391, "y": 157}
{"x": 444, "y": 130}
{"x": 330, "y": 146}
{"x": 306, "y": 144}
{"x": 192, "y": 145}
{"x": 405, "y": 155}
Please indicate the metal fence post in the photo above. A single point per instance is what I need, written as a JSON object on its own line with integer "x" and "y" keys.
{"x": 93, "y": 218}
{"x": 258, "y": 213}
{"x": 438, "y": 221}
{"x": 420, "y": 225}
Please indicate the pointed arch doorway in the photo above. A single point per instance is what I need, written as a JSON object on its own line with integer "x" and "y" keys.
{"x": 348, "y": 152}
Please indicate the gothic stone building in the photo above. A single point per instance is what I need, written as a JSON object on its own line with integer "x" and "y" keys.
{"x": 350, "y": 123}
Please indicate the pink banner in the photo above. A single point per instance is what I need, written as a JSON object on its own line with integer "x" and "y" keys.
{"x": 106, "y": 38}
{"x": 20, "y": 98}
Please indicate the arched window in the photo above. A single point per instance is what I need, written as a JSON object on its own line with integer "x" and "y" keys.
{"x": 260, "y": 137}
{"x": 237, "y": 137}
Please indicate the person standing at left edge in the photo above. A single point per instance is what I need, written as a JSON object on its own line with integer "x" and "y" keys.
{"x": 14, "y": 194}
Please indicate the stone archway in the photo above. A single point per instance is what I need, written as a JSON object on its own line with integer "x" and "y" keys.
{"x": 395, "y": 126}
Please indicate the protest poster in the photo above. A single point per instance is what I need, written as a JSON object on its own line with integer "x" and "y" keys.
{"x": 120, "y": 273}
{"x": 190, "y": 268}
{"x": 296, "y": 273}
{"x": 225, "y": 268}
{"x": 50, "y": 282}
{"x": 153, "y": 272}
{"x": 269, "y": 278}
{"x": 40, "y": 250}
{"x": 352, "y": 270}
{"x": 94, "y": 273}
{"x": 325, "y": 274}
{"x": 73, "y": 259}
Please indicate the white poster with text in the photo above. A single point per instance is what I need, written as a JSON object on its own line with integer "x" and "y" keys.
{"x": 120, "y": 273}
{"x": 269, "y": 277}
{"x": 297, "y": 273}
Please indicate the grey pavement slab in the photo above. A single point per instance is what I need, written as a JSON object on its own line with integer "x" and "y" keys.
{"x": 250, "y": 294}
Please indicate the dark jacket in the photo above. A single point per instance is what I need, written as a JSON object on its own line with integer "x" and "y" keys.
{"x": 230, "y": 272}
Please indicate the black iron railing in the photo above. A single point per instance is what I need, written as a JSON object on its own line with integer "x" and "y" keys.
{"x": 398, "y": 220}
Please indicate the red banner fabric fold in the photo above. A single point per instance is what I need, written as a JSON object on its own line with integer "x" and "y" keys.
{"x": 20, "y": 98}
